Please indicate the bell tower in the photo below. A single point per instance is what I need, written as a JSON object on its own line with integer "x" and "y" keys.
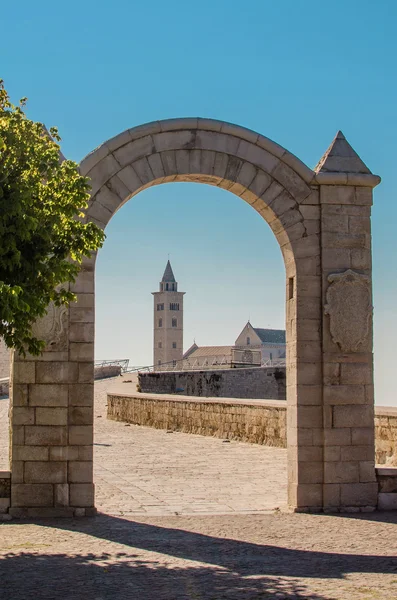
{"x": 168, "y": 323}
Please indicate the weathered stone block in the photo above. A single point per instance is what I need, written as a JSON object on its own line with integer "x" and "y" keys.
{"x": 353, "y": 416}
{"x": 64, "y": 453}
{"x": 19, "y": 394}
{"x": 367, "y": 470}
{"x": 80, "y": 415}
{"x": 102, "y": 172}
{"x": 359, "y": 494}
{"x": 337, "y": 436}
{"x": 361, "y": 258}
{"x": 344, "y": 394}
{"x": 46, "y": 435}
{"x": 81, "y": 351}
{"x": 85, "y": 300}
{"x": 336, "y": 258}
{"x": 306, "y": 495}
{"x": 341, "y": 472}
{"x": 22, "y": 415}
{"x": 81, "y": 394}
{"x": 337, "y": 194}
{"x": 24, "y": 372}
{"x": 82, "y": 332}
{"x": 357, "y": 453}
{"x": 356, "y": 373}
{"x": 80, "y": 314}
{"x": 51, "y": 416}
{"x": 85, "y": 453}
{"x": 27, "y": 494}
{"x": 57, "y": 372}
{"x": 80, "y": 472}
{"x": 85, "y": 280}
{"x": 80, "y": 435}
{"x": 61, "y": 494}
{"x": 45, "y": 472}
{"x": 30, "y": 453}
{"x": 86, "y": 372}
{"x": 332, "y": 453}
{"x": 331, "y": 495}
{"x": 48, "y": 395}
{"x": 310, "y": 472}
{"x": 81, "y": 494}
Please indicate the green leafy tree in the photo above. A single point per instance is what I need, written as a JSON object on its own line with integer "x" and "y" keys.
{"x": 43, "y": 238}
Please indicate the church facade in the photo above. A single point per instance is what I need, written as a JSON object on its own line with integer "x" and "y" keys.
{"x": 253, "y": 347}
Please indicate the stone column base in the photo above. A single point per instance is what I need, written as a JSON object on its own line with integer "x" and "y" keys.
{"x": 51, "y": 512}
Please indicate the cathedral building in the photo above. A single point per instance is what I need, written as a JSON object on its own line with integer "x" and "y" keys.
{"x": 254, "y": 346}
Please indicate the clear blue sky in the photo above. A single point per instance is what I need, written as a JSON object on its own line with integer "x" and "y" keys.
{"x": 294, "y": 71}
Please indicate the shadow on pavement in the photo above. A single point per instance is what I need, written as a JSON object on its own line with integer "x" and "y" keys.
{"x": 224, "y": 569}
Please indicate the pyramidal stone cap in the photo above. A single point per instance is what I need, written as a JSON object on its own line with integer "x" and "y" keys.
{"x": 341, "y": 158}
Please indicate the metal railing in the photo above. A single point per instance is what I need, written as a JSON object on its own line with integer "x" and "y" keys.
{"x": 122, "y": 362}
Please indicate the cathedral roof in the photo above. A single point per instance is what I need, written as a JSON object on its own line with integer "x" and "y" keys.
{"x": 210, "y": 351}
{"x": 271, "y": 336}
{"x": 168, "y": 274}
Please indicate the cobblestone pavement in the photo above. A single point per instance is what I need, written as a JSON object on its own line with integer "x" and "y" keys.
{"x": 157, "y": 555}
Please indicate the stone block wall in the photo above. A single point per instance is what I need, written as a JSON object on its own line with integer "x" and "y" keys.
{"x": 259, "y": 422}
{"x": 256, "y": 382}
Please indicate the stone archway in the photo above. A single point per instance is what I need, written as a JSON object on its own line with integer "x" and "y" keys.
{"x": 321, "y": 220}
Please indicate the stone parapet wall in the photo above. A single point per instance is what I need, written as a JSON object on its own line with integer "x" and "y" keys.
{"x": 251, "y": 383}
{"x": 4, "y": 386}
{"x": 5, "y": 491}
{"x": 386, "y": 435}
{"x": 107, "y": 371}
{"x": 387, "y": 488}
{"x": 258, "y": 421}
{"x": 255, "y": 421}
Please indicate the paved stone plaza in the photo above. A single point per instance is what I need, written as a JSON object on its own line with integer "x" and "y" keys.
{"x": 211, "y": 551}
{"x": 139, "y": 470}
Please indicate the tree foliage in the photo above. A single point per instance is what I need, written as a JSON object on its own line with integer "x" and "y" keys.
{"x": 43, "y": 238}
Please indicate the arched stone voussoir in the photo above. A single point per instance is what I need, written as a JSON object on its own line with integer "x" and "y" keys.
{"x": 201, "y": 134}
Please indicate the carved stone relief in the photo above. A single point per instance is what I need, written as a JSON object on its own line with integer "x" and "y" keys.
{"x": 349, "y": 308}
{"x": 52, "y": 328}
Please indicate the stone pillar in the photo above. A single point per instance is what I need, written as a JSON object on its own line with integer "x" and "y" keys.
{"x": 304, "y": 362}
{"x": 348, "y": 391}
{"x": 51, "y": 416}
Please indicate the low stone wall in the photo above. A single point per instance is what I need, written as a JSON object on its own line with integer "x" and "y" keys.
{"x": 251, "y": 383}
{"x": 5, "y": 491}
{"x": 386, "y": 435}
{"x": 107, "y": 371}
{"x": 256, "y": 421}
{"x": 387, "y": 490}
{"x": 4, "y": 386}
